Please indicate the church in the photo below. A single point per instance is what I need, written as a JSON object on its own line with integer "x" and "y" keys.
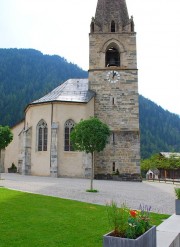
{"x": 41, "y": 144}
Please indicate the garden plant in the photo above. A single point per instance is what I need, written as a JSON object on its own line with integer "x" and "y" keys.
{"x": 127, "y": 223}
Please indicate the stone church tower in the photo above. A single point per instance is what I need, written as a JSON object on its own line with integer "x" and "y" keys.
{"x": 113, "y": 76}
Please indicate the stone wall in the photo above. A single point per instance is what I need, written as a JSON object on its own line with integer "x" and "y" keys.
{"x": 122, "y": 153}
{"x": 116, "y": 104}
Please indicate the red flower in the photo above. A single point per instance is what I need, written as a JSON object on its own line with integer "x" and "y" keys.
{"x": 133, "y": 213}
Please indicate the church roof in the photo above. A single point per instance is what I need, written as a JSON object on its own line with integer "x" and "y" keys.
{"x": 108, "y": 10}
{"x": 168, "y": 154}
{"x": 73, "y": 90}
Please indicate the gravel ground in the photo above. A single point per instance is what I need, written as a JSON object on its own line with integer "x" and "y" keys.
{"x": 159, "y": 196}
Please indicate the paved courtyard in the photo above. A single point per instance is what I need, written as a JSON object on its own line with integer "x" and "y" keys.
{"x": 159, "y": 196}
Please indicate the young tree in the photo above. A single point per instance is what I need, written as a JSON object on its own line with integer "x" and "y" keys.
{"x": 91, "y": 136}
{"x": 6, "y": 137}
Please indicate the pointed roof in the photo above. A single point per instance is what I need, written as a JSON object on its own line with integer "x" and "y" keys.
{"x": 72, "y": 90}
{"x": 108, "y": 10}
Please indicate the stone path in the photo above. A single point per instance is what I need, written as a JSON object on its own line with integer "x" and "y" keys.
{"x": 159, "y": 196}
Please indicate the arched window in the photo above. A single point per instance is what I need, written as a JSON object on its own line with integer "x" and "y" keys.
{"x": 112, "y": 57}
{"x": 113, "y": 27}
{"x": 92, "y": 27}
{"x": 42, "y": 132}
{"x": 69, "y": 125}
{"x": 132, "y": 24}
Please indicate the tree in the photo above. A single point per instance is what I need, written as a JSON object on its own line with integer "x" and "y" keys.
{"x": 151, "y": 163}
{"x": 160, "y": 162}
{"x": 90, "y": 136}
{"x": 6, "y": 137}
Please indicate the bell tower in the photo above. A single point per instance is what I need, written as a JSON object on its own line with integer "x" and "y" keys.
{"x": 113, "y": 76}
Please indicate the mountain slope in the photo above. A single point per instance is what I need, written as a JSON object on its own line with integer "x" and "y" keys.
{"x": 160, "y": 129}
{"x": 27, "y": 74}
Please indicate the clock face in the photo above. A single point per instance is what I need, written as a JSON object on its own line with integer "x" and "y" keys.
{"x": 113, "y": 76}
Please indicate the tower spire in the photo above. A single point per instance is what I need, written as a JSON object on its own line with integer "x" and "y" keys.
{"x": 111, "y": 10}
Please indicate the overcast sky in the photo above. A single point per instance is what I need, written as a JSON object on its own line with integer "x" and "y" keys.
{"x": 61, "y": 27}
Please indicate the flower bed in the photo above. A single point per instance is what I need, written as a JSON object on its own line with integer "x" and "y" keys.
{"x": 131, "y": 228}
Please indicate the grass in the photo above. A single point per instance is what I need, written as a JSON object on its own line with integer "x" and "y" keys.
{"x": 93, "y": 191}
{"x": 28, "y": 220}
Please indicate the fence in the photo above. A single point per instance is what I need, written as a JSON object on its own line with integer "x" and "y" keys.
{"x": 166, "y": 180}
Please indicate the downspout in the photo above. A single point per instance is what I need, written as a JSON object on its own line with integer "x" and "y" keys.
{"x": 25, "y": 121}
{"x": 52, "y": 113}
{"x": 51, "y": 131}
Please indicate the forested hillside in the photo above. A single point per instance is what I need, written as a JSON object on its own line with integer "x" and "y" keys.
{"x": 27, "y": 74}
{"x": 160, "y": 129}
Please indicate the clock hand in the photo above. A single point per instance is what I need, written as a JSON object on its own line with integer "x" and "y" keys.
{"x": 114, "y": 74}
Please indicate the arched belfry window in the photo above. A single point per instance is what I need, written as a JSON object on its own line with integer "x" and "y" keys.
{"x": 132, "y": 24}
{"x": 69, "y": 125}
{"x": 92, "y": 27}
{"x": 42, "y": 136}
{"x": 113, "y": 27}
{"x": 112, "y": 57}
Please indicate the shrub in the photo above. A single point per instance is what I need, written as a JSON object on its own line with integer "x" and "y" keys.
{"x": 177, "y": 192}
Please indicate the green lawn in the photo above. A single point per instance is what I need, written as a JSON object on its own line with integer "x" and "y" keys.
{"x": 28, "y": 220}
